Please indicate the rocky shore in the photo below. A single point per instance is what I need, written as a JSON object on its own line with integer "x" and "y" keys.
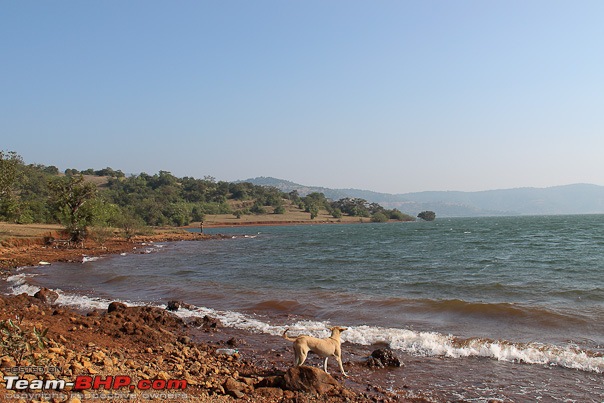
{"x": 161, "y": 356}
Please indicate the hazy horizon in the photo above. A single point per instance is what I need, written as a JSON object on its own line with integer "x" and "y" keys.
{"x": 393, "y": 97}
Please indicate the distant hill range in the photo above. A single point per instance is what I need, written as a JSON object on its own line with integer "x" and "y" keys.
{"x": 568, "y": 199}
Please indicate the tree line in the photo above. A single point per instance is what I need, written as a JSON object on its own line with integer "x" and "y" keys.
{"x": 34, "y": 193}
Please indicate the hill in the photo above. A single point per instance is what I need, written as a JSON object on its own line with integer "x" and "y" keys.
{"x": 568, "y": 199}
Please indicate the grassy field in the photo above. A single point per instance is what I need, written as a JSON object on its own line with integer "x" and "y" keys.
{"x": 9, "y": 230}
{"x": 293, "y": 215}
{"x": 221, "y": 220}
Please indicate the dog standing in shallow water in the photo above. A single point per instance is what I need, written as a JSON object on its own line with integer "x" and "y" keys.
{"x": 329, "y": 347}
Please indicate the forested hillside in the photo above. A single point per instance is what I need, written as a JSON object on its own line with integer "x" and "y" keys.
{"x": 107, "y": 198}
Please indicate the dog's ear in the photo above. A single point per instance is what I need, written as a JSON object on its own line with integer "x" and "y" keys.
{"x": 343, "y": 328}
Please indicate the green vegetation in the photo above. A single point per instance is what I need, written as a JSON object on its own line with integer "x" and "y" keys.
{"x": 88, "y": 202}
{"x": 427, "y": 215}
{"x": 20, "y": 344}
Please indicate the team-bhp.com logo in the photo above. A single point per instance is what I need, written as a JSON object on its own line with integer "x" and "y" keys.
{"x": 95, "y": 383}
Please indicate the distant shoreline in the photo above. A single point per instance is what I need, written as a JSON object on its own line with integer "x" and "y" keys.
{"x": 271, "y": 223}
{"x": 289, "y": 218}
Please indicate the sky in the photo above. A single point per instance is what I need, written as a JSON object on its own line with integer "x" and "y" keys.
{"x": 390, "y": 96}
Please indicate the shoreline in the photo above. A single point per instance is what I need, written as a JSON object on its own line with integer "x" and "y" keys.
{"x": 29, "y": 250}
{"x": 261, "y": 356}
{"x": 151, "y": 343}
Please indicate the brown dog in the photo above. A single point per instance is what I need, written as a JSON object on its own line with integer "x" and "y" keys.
{"x": 329, "y": 347}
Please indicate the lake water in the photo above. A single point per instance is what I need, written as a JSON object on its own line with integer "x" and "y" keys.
{"x": 523, "y": 292}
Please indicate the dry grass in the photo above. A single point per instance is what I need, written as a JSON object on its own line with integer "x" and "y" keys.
{"x": 9, "y": 230}
{"x": 293, "y": 215}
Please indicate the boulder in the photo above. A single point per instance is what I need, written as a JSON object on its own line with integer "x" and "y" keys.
{"x": 235, "y": 388}
{"x": 47, "y": 296}
{"x": 173, "y": 306}
{"x": 383, "y": 357}
{"x": 275, "y": 394}
{"x": 309, "y": 380}
{"x": 206, "y": 323}
{"x": 116, "y": 306}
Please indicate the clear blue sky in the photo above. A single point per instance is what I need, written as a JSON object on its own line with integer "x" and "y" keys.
{"x": 391, "y": 96}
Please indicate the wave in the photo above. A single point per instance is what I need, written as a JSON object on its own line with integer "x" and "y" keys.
{"x": 499, "y": 311}
{"x": 117, "y": 279}
{"x": 408, "y": 341}
{"x": 276, "y": 305}
{"x": 422, "y": 343}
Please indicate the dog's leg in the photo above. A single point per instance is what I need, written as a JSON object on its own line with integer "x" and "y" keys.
{"x": 301, "y": 357}
{"x": 339, "y": 359}
{"x": 325, "y": 365}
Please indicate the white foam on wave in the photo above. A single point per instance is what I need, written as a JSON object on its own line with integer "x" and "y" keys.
{"x": 81, "y": 302}
{"x": 18, "y": 284}
{"x": 436, "y": 344}
{"x": 409, "y": 341}
{"x": 418, "y": 343}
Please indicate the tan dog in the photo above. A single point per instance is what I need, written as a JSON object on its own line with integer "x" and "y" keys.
{"x": 329, "y": 347}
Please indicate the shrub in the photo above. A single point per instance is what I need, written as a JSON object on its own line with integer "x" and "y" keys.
{"x": 379, "y": 217}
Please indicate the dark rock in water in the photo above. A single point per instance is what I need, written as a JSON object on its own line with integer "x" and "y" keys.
{"x": 47, "y": 296}
{"x": 211, "y": 323}
{"x": 206, "y": 323}
{"x": 383, "y": 357}
{"x": 116, "y": 306}
{"x": 309, "y": 379}
{"x": 173, "y": 305}
{"x": 176, "y": 305}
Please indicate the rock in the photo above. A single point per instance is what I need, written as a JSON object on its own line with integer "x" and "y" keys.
{"x": 116, "y": 306}
{"x": 47, "y": 296}
{"x": 235, "y": 342}
{"x": 271, "y": 393}
{"x": 271, "y": 382}
{"x": 383, "y": 357}
{"x": 184, "y": 339}
{"x": 235, "y": 388}
{"x": 173, "y": 305}
{"x": 309, "y": 379}
{"x": 128, "y": 328}
{"x": 206, "y": 323}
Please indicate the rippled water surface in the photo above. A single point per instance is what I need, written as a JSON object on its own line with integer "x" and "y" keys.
{"x": 524, "y": 289}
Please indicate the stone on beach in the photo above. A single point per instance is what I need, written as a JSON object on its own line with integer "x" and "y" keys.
{"x": 309, "y": 379}
{"x": 47, "y": 296}
{"x": 383, "y": 357}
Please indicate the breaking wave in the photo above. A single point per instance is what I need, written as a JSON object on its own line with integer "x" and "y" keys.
{"x": 405, "y": 340}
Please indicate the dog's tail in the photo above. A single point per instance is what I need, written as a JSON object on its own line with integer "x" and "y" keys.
{"x": 286, "y": 337}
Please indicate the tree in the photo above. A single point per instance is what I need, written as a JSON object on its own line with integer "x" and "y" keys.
{"x": 9, "y": 171}
{"x": 397, "y": 215}
{"x": 379, "y": 217}
{"x": 427, "y": 215}
{"x": 11, "y": 165}
{"x": 354, "y": 207}
{"x": 71, "y": 197}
